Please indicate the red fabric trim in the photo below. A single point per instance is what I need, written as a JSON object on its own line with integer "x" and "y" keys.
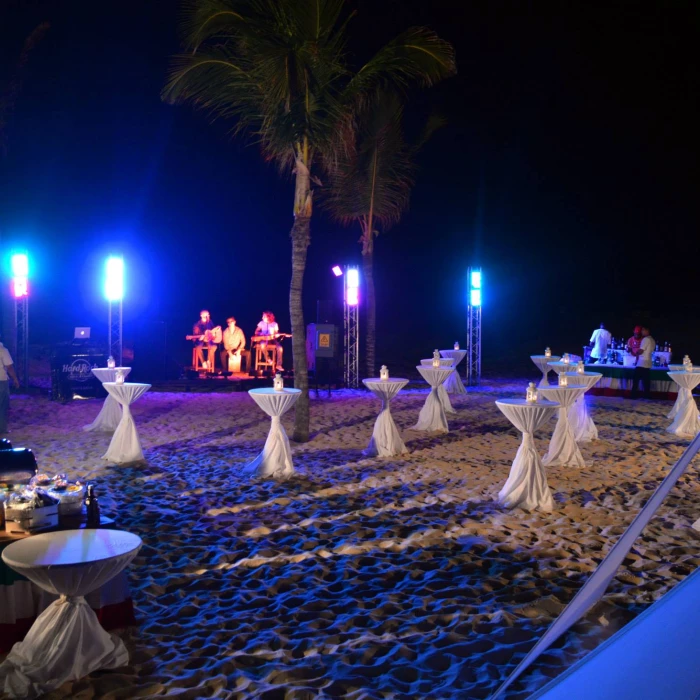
{"x": 110, "y": 616}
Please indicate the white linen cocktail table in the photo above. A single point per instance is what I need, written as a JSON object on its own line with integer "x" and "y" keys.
{"x": 542, "y": 363}
{"x": 432, "y": 416}
{"x": 527, "y": 482}
{"x": 563, "y": 450}
{"x": 454, "y": 384}
{"x": 386, "y": 440}
{"x": 683, "y": 396}
{"x": 685, "y": 422}
{"x": 581, "y": 422}
{"x": 66, "y": 642}
{"x": 111, "y": 413}
{"x": 441, "y": 391}
{"x": 275, "y": 460}
{"x": 125, "y": 446}
{"x": 560, "y": 367}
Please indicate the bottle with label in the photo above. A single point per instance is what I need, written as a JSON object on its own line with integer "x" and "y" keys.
{"x": 92, "y": 507}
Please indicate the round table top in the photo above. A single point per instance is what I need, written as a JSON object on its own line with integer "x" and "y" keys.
{"x": 114, "y": 384}
{"x": 269, "y": 391}
{"x": 551, "y": 358}
{"x": 558, "y": 363}
{"x": 69, "y": 548}
{"x": 391, "y": 380}
{"x": 529, "y": 404}
{"x": 112, "y": 370}
{"x": 689, "y": 378}
{"x": 444, "y": 362}
{"x": 557, "y": 386}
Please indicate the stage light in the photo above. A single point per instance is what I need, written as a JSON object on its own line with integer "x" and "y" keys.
{"x": 114, "y": 280}
{"x": 475, "y": 287}
{"x": 352, "y": 286}
{"x": 336, "y": 270}
{"x": 475, "y": 297}
{"x": 476, "y": 279}
{"x": 20, "y": 273}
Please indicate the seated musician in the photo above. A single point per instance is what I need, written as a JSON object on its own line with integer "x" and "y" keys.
{"x": 200, "y": 329}
{"x": 234, "y": 344}
{"x": 268, "y": 327}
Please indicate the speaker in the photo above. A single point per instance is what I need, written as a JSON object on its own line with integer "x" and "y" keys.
{"x": 17, "y": 466}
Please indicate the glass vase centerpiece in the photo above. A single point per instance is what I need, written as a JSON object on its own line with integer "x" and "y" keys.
{"x": 278, "y": 382}
{"x": 384, "y": 373}
{"x": 531, "y": 393}
{"x": 436, "y": 358}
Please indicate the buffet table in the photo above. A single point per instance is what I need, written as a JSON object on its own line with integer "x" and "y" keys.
{"x": 617, "y": 381}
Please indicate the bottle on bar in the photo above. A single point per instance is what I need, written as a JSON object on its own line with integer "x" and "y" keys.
{"x": 92, "y": 507}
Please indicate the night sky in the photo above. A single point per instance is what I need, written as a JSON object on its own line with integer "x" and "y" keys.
{"x": 568, "y": 169}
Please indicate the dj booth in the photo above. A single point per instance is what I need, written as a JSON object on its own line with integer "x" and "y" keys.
{"x": 71, "y": 370}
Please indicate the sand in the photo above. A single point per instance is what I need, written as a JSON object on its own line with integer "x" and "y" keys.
{"x": 364, "y": 578}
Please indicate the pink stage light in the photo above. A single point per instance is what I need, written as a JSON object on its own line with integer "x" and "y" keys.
{"x": 336, "y": 270}
{"x": 20, "y": 287}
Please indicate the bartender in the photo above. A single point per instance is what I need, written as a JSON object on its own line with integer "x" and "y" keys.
{"x": 635, "y": 342}
{"x": 600, "y": 340}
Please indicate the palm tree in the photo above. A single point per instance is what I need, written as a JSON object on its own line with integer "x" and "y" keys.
{"x": 370, "y": 184}
{"x": 279, "y": 70}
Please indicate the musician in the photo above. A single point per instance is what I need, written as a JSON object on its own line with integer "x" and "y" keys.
{"x": 200, "y": 329}
{"x": 268, "y": 326}
{"x": 234, "y": 344}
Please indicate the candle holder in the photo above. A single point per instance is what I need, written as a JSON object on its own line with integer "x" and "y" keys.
{"x": 563, "y": 380}
{"x": 436, "y": 358}
{"x": 278, "y": 382}
{"x": 111, "y": 364}
{"x": 456, "y": 345}
{"x": 384, "y": 373}
{"x": 531, "y": 393}
{"x": 580, "y": 367}
{"x": 547, "y": 352}
{"x": 567, "y": 358}
{"x": 120, "y": 376}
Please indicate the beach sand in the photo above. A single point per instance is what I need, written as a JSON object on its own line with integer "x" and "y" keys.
{"x": 364, "y": 578}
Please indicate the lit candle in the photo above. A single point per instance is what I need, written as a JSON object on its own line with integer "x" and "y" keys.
{"x": 563, "y": 379}
{"x": 436, "y": 358}
{"x": 111, "y": 364}
{"x": 567, "y": 358}
{"x": 456, "y": 345}
{"x": 580, "y": 368}
{"x": 120, "y": 376}
{"x": 384, "y": 373}
{"x": 278, "y": 383}
{"x": 689, "y": 366}
{"x": 547, "y": 352}
{"x": 531, "y": 393}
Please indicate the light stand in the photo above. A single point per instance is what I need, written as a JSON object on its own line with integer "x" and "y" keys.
{"x": 351, "y": 327}
{"x": 474, "y": 327}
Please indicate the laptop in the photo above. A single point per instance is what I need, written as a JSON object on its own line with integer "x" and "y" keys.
{"x": 81, "y": 333}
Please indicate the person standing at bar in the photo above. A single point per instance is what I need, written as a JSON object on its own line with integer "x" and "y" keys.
{"x": 642, "y": 372}
{"x": 600, "y": 340}
{"x": 7, "y": 371}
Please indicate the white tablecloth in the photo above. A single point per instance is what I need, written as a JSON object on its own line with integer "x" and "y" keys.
{"x": 563, "y": 450}
{"x": 685, "y": 419}
{"x": 66, "y": 642}
{"x": 527, "y": 482}
{"x": 125, "y": 445}
{"x": 581, "y": 422}
{"x": 542, "y": 362}
{"x": 441, "y": 390}
{"x": 559, "y": 367}
{"x": 386, "y": 440}
{"x": 454, "y": 384}
{"x": 432, "y": 416}
{"x": 111, "y": 413}
{"x": 276, "y": 458}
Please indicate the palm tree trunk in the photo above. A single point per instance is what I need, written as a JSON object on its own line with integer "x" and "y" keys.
{"x": 301, "y": 238}
{"x": 371, "y": 308}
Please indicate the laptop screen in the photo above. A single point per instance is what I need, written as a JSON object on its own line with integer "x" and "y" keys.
{"x": 82, "y": 333}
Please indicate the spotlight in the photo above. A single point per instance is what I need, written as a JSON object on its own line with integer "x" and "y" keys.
{"x": 352, "y": 287}
{"x": 20, "y": 274}
{"x": 114, "y": 279}
{"x": 336, "y": 270}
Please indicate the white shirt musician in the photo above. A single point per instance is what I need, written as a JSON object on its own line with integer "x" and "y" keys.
{"x": 600, "y": 340}
{"x": 268, "y": 326}
{"x": 205, "y": 327}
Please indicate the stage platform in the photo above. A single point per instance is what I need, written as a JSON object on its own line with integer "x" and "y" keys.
{"x": 208, "y": 384}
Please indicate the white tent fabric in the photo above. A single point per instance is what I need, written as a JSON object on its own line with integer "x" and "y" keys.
{"x": 66, "y": 641}
{"x": 275, "y": 460}
{"x": 454, "y": 384}
{"x": 125, "y": 446}
{"x": 686, "y": 381}
{"x": 386, "y": 440}
{"x": 542, "y": 363}
{"x": 593, "y": 590}
{"x": 581, "y": 422}
{"x": 111, "y": 413}
{"x": 432, "y": 416}
{"x": 563, "y": 450}
{"x": 527, "y": 482}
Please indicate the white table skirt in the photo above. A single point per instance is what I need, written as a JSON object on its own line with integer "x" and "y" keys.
{"x": 386, "y": 440}
{"x": 454, "y": 384}
{"x": 686, "y": 422}
{"x": 125, "y": 446}
{"x": 442, "y": 390}
{"x": 66, "y": 642}
{"x": 527, "y": 486}
{"x": 563, "y": 450}
{"x": 275, "y": 460}
{"x": 111, "y": 413}
{"x": 432, "y": 416}
{"x": 581, "y": 422}
{"x": 542, "y": 364}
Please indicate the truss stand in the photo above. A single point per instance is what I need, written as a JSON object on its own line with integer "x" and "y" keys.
{"x": 22, "y": 340}
{"x": 474, "y": 327}
{"x": 351, "y": 328}
{"x": 114, "y": 340}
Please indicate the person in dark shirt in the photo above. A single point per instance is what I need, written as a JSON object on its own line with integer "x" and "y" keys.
{"x": 200, "y": 329}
